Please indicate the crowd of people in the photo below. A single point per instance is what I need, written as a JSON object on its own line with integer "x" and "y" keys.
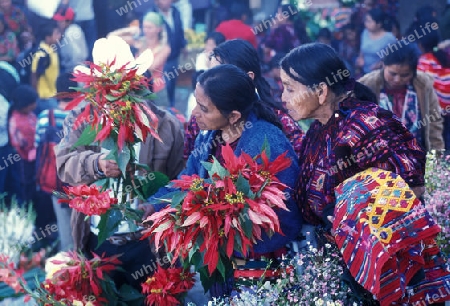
{"x": 322, "y": 99}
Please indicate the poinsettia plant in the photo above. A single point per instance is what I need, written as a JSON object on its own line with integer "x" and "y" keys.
{"x": 208, "y": 220}
{"x": 167, "y": 286}
{"x": 73, "y": 279}
{"x": 115, "y": 117}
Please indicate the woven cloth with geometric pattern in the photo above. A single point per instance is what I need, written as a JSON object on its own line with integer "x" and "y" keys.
{"x": 386, "y": 236}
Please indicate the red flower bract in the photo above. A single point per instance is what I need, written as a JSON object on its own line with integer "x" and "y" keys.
{"x": 116, "y": 104}
{"x": 80, "y": 278}
{"x": 88, "y": 199}
{"x": 165, "y": 285}
{"x": 225, "y": 213}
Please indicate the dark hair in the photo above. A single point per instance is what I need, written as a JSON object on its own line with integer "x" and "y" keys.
{"x": 23, "y": 96}
{"x": 238, "y": 9}
{"x": 195, "y": 76}
{"x": 217, "y": 37}
{"x": 46, "y": 30}
{"x": 430, "y": 41}
{"x": 392, "y": 22}
{"x": 231, "y": 89}
{"x": 276, "y": 60}
{"x": 380, "y": 17}
{"x": 3, "y": 21}
{"x": 325, "y": 33}
{"x": 242, "y": 54}
{"x": 290, "y": 9}
{"x": 8, "y": 82}
{"x": 312, "y": 70}
{"x": 406, "y": 55}
{"x": 425, "y": 12}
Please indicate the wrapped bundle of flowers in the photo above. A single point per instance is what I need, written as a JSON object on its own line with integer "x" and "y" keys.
{"x": 312, "y": 277}
{"x": 73, "y": 279}
{"x": 167, "y": 286}
{"x": 17, "y": 225}
{"x": 437, "y": 195}
{"x": 208, "y": 220}
{"x": 116, "y": 117}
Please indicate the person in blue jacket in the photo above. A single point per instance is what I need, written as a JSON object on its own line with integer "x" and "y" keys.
{"x": 227, "y": 112}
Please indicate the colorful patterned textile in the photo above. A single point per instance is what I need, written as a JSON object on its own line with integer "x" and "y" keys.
{"x": 360, "y": 135}
{"x": 22, "y": 130}
{"x": 8, "y": 45}
{"x": 405, "y": 105}
{"x": 16, "y": 20}
{"x": 385, "y": 235}
{"x": 290, "y": 128}
{"x": 428, "y": 63}
{"x": 282, "y": 39}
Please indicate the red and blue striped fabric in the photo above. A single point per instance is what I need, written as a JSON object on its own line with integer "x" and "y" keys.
{"x": 385, "y": 236}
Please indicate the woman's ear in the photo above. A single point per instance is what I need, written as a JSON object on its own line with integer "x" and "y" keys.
{"x": 234, "y": 117}
{"x": 251, "y": 74}
{"x": 323, "y": 92}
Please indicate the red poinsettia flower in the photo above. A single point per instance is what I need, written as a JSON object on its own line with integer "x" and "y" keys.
{"x": 224, "y": 213}
{"x": 80, "y": 277}
{"x": 166, "y": 285}
{"x": 88, "y": 199}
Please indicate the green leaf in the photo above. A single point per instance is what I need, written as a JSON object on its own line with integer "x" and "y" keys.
{"x": 207, "y": 165}
{"x": 102, "y": 183}
{"x": 266, "y": 147}
{"x": 87, "y": 137}
{"x": 112, "y": 155}
{"x": 109, "y": 144}
{"x": 242, "y": 184}
{"x": 221, "y": 267}
{"x": 247, "y": 224}
{"x": 149, "y": 184}
{"x": 143, "y": 167}
{"x": 195, "y": 258}
{"x": 109, "y": 224}
{"x": 111, "y": 98}
{"x": 177, "y": 199}
{"x": 216, "y": 168}
{"x": 129, "y": 294}
{"x": 124, "y": 159}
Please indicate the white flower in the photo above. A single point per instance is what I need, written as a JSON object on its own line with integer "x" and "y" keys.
{"x": 114, "y": 47}
{"x": 51, "y": 267}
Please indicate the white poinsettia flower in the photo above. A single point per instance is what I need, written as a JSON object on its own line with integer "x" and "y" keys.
{"x": 106, "y": 50}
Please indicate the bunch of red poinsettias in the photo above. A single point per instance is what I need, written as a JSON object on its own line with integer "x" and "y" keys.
{"x": 212, "y": 218}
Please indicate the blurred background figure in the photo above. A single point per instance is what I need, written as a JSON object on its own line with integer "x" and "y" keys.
{"x": 348, "y": 48}
{"x": 10, "y": 176}
{"x": 283, "y": 35}
{"x": 154, "y": 38}
{"x": 9, "y": 48}
{"x": 375, "y": 37}
{"x": 236, "y": 27}
{"x": 203, "y": 63}
{"x": 410, "y": 95}
{"x": 49, "y": 128}
{"x": 73, "y": 50}
{"x": 436, "y": 62}
{"x": 85, "y": 19}
{"x": 22, "y": 128}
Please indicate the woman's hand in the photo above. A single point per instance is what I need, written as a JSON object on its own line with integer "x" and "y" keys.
{"x": 108, "y": 167}
{"x": 148, "y": 210}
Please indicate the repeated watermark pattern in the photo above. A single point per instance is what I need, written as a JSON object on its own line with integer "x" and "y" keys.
{"x": 410, "y": 39}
